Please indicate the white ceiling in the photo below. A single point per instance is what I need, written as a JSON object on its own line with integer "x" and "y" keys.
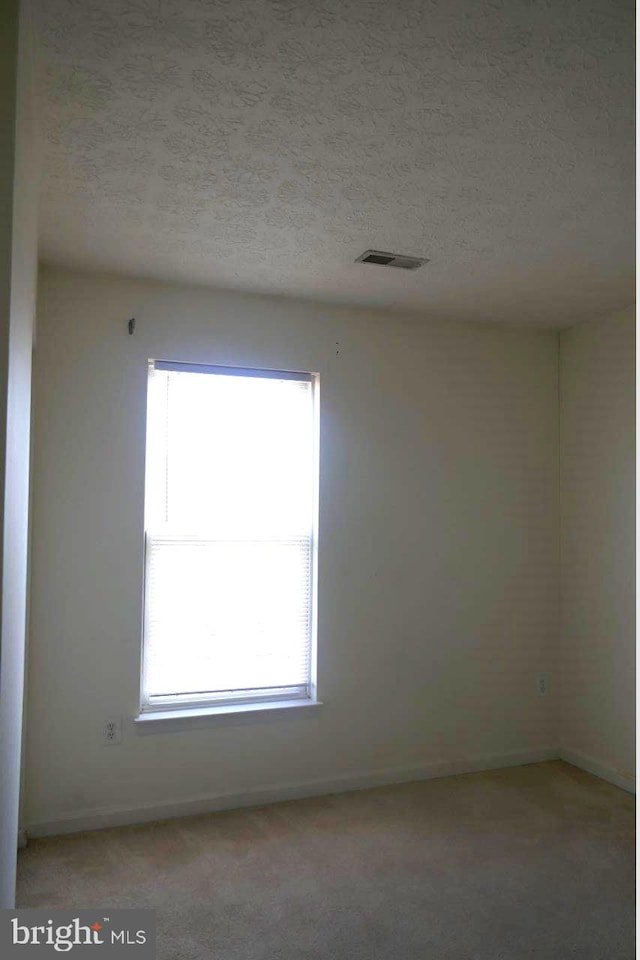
{"x": 264, "y": 144}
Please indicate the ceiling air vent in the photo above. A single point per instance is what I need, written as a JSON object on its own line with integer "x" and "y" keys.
{"x": 391, "y": 259}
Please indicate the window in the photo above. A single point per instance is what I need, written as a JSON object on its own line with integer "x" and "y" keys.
{"x": 229, "y": 537}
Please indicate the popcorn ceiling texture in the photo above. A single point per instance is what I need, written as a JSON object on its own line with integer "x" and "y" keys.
{"x": 264, "y": 144}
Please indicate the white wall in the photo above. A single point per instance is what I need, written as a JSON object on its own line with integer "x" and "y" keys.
{"x": 18, "y": 274}
{"x": 438, "y": 546}
{"x": 597, "y": 431}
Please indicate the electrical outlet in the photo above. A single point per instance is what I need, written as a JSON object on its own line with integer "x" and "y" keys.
{"x": 112, "y": 731}
{"x": 542, "y": 685}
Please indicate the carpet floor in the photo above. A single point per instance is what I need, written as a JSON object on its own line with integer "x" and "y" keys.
{"x": 530, "y": 862}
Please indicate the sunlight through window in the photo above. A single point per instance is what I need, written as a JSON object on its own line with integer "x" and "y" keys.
{"x": 230, "y": 548}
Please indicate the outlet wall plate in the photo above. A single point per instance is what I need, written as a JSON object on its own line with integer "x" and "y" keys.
{"x": 112, "y": 731}
{"x": 542, "y": 684}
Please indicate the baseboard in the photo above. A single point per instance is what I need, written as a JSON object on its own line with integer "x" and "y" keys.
{"x": 618, "y": 777}
{"x": 101, "y": 818}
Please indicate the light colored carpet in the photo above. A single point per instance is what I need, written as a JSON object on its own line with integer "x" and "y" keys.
{"x": 531, "y": 862}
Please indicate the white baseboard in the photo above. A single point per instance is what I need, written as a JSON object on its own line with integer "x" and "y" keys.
{"x": 100, "y": 818}
{"x": 617, "y": 777}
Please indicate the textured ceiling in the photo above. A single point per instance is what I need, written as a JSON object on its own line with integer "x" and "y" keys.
{"x": 264, "y": 144}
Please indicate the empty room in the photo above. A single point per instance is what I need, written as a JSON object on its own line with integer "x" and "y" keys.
{"x": 317, "y": 381}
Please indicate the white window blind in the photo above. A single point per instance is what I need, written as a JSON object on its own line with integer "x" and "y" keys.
{"x": 229, "y": 543}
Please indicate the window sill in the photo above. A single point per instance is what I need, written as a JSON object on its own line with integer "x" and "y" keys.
{"x": 152, "y": 721}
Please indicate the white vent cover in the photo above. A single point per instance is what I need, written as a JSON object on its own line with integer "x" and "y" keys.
{"x": 391, "y": 259}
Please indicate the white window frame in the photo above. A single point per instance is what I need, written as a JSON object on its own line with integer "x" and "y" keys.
{"x": 184, "y": 706}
